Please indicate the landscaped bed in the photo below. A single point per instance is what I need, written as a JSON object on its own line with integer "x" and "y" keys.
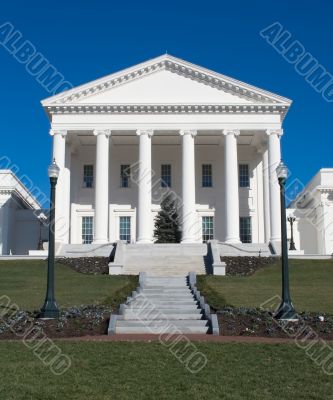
{"x": 86, "y": 300}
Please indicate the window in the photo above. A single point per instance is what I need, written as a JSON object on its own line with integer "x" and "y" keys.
{"x": 87, "y": 230}
{"x": 244, "y": 178}
{"x": 88, "y": 176}
{"x": 125, "y": 175}
{"x": 165, "y": 175}
{"x": 245, "y": 230}
{"x": 207, "y": 229}
{"x": 207, "y": 178}
{"x": 125, "y": 229}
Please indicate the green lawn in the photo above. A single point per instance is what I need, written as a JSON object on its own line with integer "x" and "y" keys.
{"x": 311, "y": 284}
{"x": 24, "y": 282}
{"x": 115, "y": 370}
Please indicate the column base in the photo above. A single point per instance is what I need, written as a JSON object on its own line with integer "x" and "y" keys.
{"x": 100, "y": 241}
{"x": 144, "y": 241}
{"x": 233, "y": 241}
{"x": 186, "y": 241}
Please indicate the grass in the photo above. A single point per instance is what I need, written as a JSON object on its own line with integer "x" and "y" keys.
{"x": 24, "y": 282}
{"x": 311, "y": 286}
{"x": 120, "y": 371}
{"x": 311, "y": 283}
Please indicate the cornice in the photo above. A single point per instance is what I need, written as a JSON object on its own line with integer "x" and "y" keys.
{"x": 168, "y": 109}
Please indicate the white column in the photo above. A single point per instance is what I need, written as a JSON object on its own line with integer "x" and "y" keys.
{"x": 67, "y": 192}
{"x": 231, "y": 190}
{"x": 267, "y": 222}
{"x": 101, "y": 217}
{"x": 61, "y": 230}
{"x": 189, "y": 227}
{"x": 144, "y": 216}
{"x": 274, "y": 157}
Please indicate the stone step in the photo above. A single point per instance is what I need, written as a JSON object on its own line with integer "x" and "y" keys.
{"x": 176, "y": 298}
{"x": 156, "y": 327}
{"x": 165, "y": 287}
{"x": 157, "y": 302}
{"x": 166, "y": 291}
{"x": 161, "y": 271}
{"x": 161, "y": 315}
{"x": 178, "y": 310}
{"x": 164, "y": 307}
{"x": 164, "y": 283}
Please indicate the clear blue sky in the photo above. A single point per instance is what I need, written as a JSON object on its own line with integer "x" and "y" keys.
{"x": 87, "y": 39}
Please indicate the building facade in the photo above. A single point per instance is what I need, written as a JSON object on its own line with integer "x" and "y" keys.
{"x": 20, "y": 228}
{"x": 124, "y": 141}
{"x": 313, "y": 213}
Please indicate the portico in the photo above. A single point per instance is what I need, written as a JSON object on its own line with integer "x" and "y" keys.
{"x": 124, "y": 141}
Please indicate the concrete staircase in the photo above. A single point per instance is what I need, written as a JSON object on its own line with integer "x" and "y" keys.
{"x": 162, "y": 304}
{"x": 164, "y": 259}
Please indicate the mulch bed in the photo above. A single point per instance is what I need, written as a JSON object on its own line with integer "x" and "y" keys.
{"x": 87, "y": 265}
{"x": 91, "y": 321}
{"x": 73, "y": 322}
{"x": 257, "y": 323}
{"x": 245, "y": 266}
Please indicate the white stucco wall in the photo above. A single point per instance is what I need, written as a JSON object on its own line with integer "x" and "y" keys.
{"x": 313, "y": 209}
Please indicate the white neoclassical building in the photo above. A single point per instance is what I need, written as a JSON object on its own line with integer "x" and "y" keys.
{"x": 124, "y": 141}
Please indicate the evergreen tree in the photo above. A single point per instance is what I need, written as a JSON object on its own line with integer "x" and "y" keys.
{"x": 167, "y": 228}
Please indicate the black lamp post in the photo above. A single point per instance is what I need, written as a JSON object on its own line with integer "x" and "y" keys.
{"x": 286, "y": 310}
{"x": 50, "y": 308}
{"x": 291, "y": 220}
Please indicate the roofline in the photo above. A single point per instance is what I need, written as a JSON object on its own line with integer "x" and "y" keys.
{"x": 33, "y": 203}
{"x": 165, "y": 57}
{"x": 306, "y": 187}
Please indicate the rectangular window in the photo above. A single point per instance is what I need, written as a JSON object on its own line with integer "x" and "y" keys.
{"x": 87, "y": 230}
{"x": 207, "y": 229}
{"x": 165, "y": 175}
{"x": 88, "y": 176}
{"x": 245, "y": 229}
{"x": 125, "y": 175}
{"x": 125, "y": 229}
{"x": 244, "y": 177}
{"x": 207, "y": 177}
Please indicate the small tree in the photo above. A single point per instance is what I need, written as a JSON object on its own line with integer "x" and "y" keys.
{"x": 167, "y": 222}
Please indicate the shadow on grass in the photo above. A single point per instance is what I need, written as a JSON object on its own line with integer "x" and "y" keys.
{"x": 215, "y": 300}
{"x": 121, "y": 294}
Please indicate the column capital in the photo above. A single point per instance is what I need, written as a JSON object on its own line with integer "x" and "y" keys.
{"x": 105, "y": 132}
{"x": 278, "y": 132}
{"x": 234, "y": 132}
{"x": 148, "y": 132}
{"x": 192, "y": 132}
{"x": 61, "y": 132}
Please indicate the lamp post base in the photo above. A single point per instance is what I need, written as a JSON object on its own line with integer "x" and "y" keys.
{"x": 49, "y": 310}
{"x": 285, "y": 312}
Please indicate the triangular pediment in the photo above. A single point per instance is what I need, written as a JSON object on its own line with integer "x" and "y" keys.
{"x": 163, "y": 87}
{"x": 165, "y": 80}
